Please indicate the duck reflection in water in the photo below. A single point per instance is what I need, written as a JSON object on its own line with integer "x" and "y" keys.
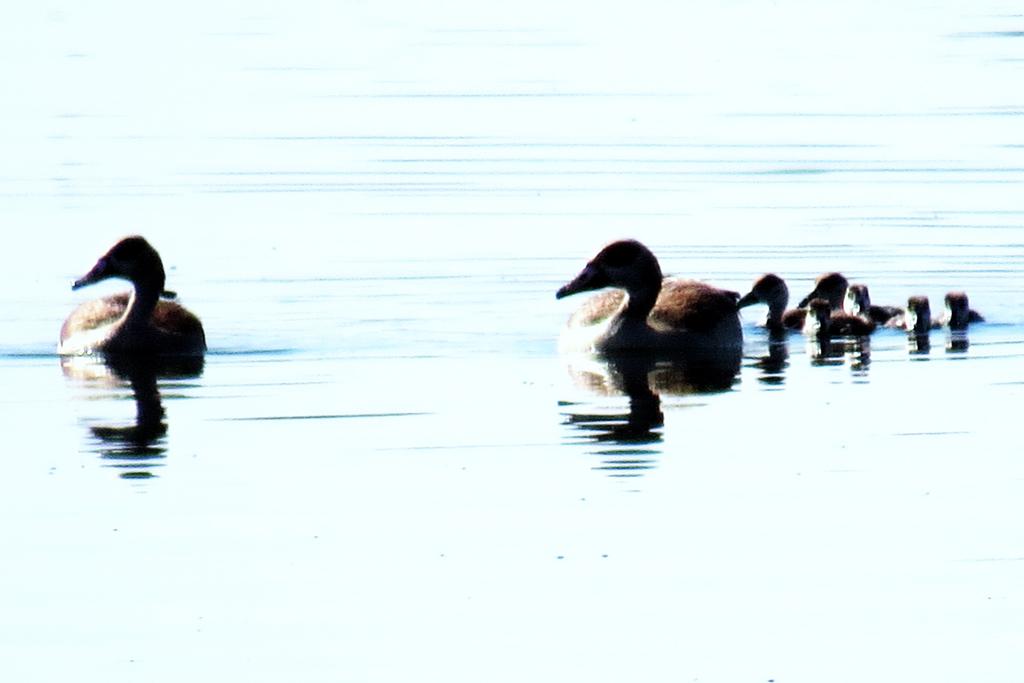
{"x": 132, "y": 338}
{"x": 829, "y": 343}
{"x": 633, "y": 436}
{"x": 137, "y": 447}
{"x": 773, "y": 361}
{"x": 645, "y": 336}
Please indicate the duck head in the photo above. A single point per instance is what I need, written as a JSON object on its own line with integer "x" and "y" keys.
{"x": 769, "y": 289}
{"x": 857, "y": 300}
{"x": 831, "y": 287}
{"x": 132, "y": 259}
{"x": 625, "y": 264}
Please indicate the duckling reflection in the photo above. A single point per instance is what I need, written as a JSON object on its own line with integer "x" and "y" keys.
{"x": 853, "y": 350}
{"x": 832, "y": 344}
{"x": 642, "y": 378}
{"x": 957, "y": 341}
{"x": 774, "y": 360}
{"x": 919, "y": 344}
{"x": 134, "y": 448}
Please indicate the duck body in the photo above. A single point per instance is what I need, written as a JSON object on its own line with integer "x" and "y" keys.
{"x": 823, "y": 322}
{"x": 858, "y": 302}
{"x": 142, "y": 321}
{"x": 846, "y": 325}
{"x": 646, "y": 312}
{"x": 959, "y": 314}
{"x": 97, "y": 326}
{"x": 917, "y": 320}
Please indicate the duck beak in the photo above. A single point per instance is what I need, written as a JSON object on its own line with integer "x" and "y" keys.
{"x": 101, "y": 271}
{"x": 803, "y": 302}
{"x": 590, "y": 278}
{"x": 749, "y": 299}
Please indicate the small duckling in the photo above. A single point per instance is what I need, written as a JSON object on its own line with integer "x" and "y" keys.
{"x": 917, "y": 321}
{"x": 831, "y": 287}
{"x": 822, "y": 321}
{"x": 918, "y": 317}
{"x": 656, "y": 313}
{"x": 858, "y": 302}
{"x": 959, "y": 313}
{"x": 140, "y": 321}
{"x": 770, "y": 289}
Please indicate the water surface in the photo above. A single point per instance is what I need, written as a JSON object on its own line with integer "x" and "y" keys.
{"x": 384, "y": 471}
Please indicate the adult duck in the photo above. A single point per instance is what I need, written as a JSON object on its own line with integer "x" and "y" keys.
{"x": 644, "y": 311}
{"x": 142, "y": 321}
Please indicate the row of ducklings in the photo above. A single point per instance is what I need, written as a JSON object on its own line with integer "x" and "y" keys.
{"x": 836, "y": 308}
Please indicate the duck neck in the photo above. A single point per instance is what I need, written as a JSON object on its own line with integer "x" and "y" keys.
{"x": 639, "y": 303}
{"x": 776, "y": 309}
{"x": 142, "y": 303}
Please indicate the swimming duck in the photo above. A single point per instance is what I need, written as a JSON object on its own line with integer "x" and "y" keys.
{"x": 822, "y": 322}
{"x": 831, "y": 287}
{"x": 918, "y": 318}
{"x": 770, "y": 289}
{"x": 959, "y": 313}
{"x": 140, "y": 321}
{"x": 858, "y": 302}
{"x": 652, "y": 313}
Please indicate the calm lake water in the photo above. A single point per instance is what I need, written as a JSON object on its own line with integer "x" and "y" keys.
{"x": 383, "y": 470}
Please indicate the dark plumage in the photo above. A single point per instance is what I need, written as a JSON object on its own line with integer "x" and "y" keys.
{"x": 831, "y": 287}
{"x": 822, "y": 321}
{"x": 959, "y": 313}
{"x": 140, "y": 321}
{"x": 858, "y": 302}
{"x": 648, "y": 312}
{"x": 771, "y": 290}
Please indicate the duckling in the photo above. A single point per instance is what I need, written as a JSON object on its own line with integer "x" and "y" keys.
{"x": 959, "y": 313}
{"x": 654, "y": 313}
{"x": 831, "y": 287}
{"x": 823, "y": 322}
{"x": 918, "y": 317}
{"x": 858, "y": 302}
{"x": 918, "y": 323}
{"x": 770, "y": 289}
{"x": 140, "y": 321}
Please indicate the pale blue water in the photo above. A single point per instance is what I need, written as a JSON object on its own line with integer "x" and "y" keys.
{"x": 384, "y": 471}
